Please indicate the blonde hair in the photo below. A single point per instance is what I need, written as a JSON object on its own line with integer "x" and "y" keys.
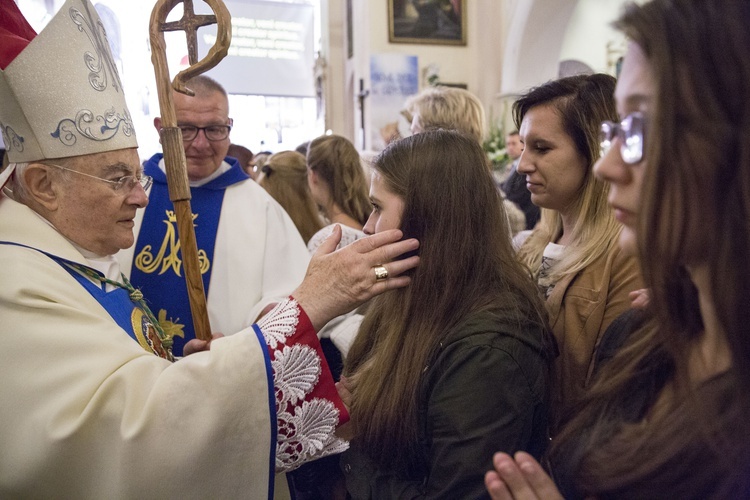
{"x": 583, "y": 102}
{"x": 285, "y": 179}
{"x": 449, "y": 108}
{"x": 337, "y": 163}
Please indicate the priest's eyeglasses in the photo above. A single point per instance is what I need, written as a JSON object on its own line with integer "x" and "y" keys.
{"x": 212, "y": 132}
{"x": 124, "y": 184}
{"x": 630, "y": 133}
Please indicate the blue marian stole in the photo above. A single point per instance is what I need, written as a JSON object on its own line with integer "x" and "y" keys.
{"x": 118, "y": 304}
{"x": 157, "y": 260}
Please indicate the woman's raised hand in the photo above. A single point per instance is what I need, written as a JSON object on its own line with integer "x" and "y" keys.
{"x": 521, "y": 478}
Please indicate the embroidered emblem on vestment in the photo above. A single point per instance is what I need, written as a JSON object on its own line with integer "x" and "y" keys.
{"x": 167, "y": 257}
{"x": 146, "y": 334}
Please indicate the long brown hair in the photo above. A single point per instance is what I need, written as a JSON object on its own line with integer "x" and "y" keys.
{"x": 695, "y": 208}
{"x": 337, "y": 162}
{"x": 467, "y": 265}
{"x": 285, "y": 179}
{"x": 582, "y": 102}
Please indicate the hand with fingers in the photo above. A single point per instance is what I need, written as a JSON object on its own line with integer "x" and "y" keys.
{"x": 344, "y": 387}
{"x": 338, "y": 281}
{"x": 639, "y": 299}
{"x": 519, "y": 478}
{"x": 198, "y": 345}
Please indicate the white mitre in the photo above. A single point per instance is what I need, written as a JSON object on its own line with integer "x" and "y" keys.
{"x": 62, "y": 96}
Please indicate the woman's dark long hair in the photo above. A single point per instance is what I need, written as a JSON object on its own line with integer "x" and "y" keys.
{"x": 685, "y": 440}
{"x": 467, "y": 265}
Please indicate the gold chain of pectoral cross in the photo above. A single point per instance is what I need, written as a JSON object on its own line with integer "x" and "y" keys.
{"x": 135, "y": 295}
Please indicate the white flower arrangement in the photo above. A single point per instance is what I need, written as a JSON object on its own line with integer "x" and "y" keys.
{"x": 494, "y": 146}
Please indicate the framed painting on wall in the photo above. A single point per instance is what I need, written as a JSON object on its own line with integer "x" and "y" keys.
{"x": 441, "y": 22}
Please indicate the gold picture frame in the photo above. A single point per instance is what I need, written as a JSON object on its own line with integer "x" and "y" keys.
{"x": 437, "y": 22}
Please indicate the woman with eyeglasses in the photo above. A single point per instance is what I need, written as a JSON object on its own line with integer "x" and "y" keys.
{"x": 667, "y": 416}
{"x": 573, "y": 250}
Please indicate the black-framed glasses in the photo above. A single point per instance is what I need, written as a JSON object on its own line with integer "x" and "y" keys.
{"x": 123, "y": 184}
{"x": 212, "y": 132}
{"x": 630, "y": 133}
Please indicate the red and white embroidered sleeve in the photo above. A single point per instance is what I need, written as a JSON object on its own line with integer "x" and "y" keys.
{"x": 308, "y": 407}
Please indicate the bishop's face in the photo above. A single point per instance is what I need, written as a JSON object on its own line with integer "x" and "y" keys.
{"x": 91, "y": 213}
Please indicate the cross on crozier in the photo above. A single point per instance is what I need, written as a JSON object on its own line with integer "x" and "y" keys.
{"x": 189, "y": 23}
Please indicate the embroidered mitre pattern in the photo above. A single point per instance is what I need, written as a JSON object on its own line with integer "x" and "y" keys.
{"x": 306, "y": 424}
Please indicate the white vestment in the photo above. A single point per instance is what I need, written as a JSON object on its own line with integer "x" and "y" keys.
{"x": 259, "y": 258}
{"x": 86, "y": 412}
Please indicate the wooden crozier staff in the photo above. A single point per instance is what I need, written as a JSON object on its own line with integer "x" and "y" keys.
{"x": 171, "y": 136}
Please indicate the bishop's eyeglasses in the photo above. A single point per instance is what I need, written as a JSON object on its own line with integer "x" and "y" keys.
{"x": 630, "y": 133}
{"x": 123, "y": 184}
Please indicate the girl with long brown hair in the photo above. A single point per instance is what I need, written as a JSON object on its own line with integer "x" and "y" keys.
{"x": 667, "y": 415}
{"x": 337, "y": 183}
{"x": 284, "y": 176}
{"x": 457, "y": 364}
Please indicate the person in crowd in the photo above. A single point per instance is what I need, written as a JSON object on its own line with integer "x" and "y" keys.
{"x": 573, "y": 251}
{"x": 284, "y": 176}
{"x": 513, "y": 150}
{"x": 245, "y": 158}
{"x": 302, "y": 148}
{"x": 259, "y": 159}
{"x": 287, "y": 178}
{"x": 667, "y": 416}
{"x": 450, "y": 108}
{"x": 513, "y": 146}
{"x": 252, "y": 254}
{"x": 453, "y": 108}
{"x": 466, "y": 349}
{"x": 514, "y": 186}
{"x": 338, "y": 186}
{"x": 93, "y": 404}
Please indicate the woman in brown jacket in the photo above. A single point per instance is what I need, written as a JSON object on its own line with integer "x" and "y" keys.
{"x": 573, "y": 251}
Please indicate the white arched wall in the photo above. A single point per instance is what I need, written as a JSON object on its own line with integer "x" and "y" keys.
{"x": 534, "y": 42}
{"x": 512, "y": 45}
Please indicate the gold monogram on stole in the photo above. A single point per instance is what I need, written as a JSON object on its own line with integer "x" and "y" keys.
{"x": 167, "y": 257}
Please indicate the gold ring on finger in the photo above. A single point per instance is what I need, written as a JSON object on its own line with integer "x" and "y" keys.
{"x": 381, "y": 273}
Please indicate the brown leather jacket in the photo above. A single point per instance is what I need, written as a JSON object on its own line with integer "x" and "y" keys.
{"x": 580, "y": 308}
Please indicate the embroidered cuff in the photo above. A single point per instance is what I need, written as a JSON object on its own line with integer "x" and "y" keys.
{"x": 308, "y": 408}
